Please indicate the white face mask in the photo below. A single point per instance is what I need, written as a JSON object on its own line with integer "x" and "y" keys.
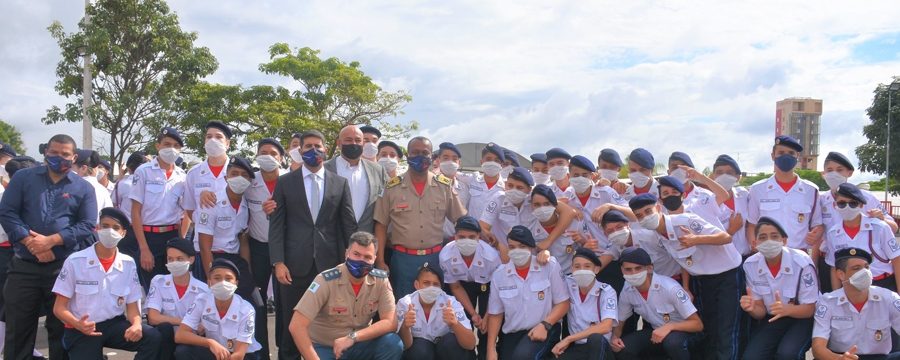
{"x": 620, "y": 237}
{"x": 584, "y": 278}
{"x": 178, "y": 268}
{"x": 430, "y": 294}
{"x": 370, "y": 150}
{"x": 581, "y": 184}
{"x": 834, "y": 179}
{"x": 449, "y": 168}
{"x": 389, "y": 164}
{"x": 848, "y": 213}
{"x": 214, "y": 147}
{"x": 223, "y": 290}
{"x": 540, "y": 178}
{"x": 295, "y": 155}
{"x": 636, "y": 279}
{"x": 109, "y": 238}
{"x": 650, "y": 222}
{"x": 506, "y": 170}
{"x": 769, "y": 248}
{"x": 516, "y": 196}
{"x": 519, "y": 257}
{"x": 680, "y": 174}
{"x": 267, "y": 163}
{"x": 467, "y": 247}
{"x": 491, "y": 168}
{"x": 101, "y": 174}
{"x": 610, "y": 175}
{"x": 639, "y": 179}
{"x": 169, "y": 155}
{"x": 558, "y": 172}
{"x": 543, "y": 213}
{"x": 727, "y": 181}
{"x": 861, "y": 280}
{"x": 238, "y": 184}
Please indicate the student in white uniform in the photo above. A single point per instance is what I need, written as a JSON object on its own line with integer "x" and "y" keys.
{"x": 294, "y": 151}
{"x": 609, "y": 163}
{"x": 85, "y": 166}
{"x": 663, "y": 303}
{"x": 539, "y": 169}
{"x": 389, "y": 156}
{"x": 528, "y": 299}
{"x": 121, "y": 193}
{"x": 857, "y": 230}
{"x": 97, "y": 295}
{"x": 593, "y": 312}
{"x": 782, "y": 293}
{"x": 483, "y": 187}
{"x": 431, "y": 323}
{"x": 733, "y": 211}
{"x": 551, "y": 217}
{"x": 558, "y": 168}
{"x": 510, "y": 161}
{"x": 225, "y": 318}
{"x": 172, "y": 294}
{"x": 703, "y": 201}
{"x": 104, "y": 171}
{"x": 207, "y": 178}
{"x": 615, "y": 223}
{"x": 857, "y": 320}
{"x": 640, "y": 172}
{"x": 371, "y": 135}
{"x": 448, "y": 160}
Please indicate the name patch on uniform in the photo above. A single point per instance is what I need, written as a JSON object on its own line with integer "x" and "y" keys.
{"x": 211, "y": 318}
{"x": 820, "y": 311}
{"x": 681, "y": 295}
{"x": 841, "y": 318}
{"x": 507, "y": 212}
{"x": 770, "y": 200}
{"x": 202, "y": 185}
{"x": 86, "y": 282}
{"x": 508, "y": 287}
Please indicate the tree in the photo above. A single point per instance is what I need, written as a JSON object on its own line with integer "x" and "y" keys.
{"x": 872, "y": 154}
{"x": 143, "y": 65}
{"x": 10, "y": 135}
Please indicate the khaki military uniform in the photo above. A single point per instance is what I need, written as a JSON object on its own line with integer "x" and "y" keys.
{"x": 417, "y": 221}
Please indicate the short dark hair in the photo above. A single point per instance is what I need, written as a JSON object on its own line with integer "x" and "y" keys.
{"x": 18, "y": 163}
{"x": 363, "y": 238}
{"x": 312, "y": 133}
{"x": 841, "y": 264}
{"x": 62, "y": 139}
{"x": 418, "y": 138}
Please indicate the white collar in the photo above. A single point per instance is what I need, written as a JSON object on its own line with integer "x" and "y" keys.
{"x": 320, "y": 173}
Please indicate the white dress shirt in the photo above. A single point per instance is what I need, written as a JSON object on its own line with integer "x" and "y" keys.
{"x": 311, "y": 179}
{"x": 358, "y": 181}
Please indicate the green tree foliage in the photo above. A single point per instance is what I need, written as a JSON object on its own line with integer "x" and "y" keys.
{"x": 10, "y": 135}
{"x": 872, "y": 154}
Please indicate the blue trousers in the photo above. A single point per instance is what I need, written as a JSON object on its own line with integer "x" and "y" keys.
{"x": 444, "y": 348}
{"x": 717, "y": 298}
{"x": 403, "y": 270}
{"x": 676, "y": 346}
{"x": 80, "y": 346}
{"x": 785, "y": 339}
{"x": 386, "y": 347}
{"x": 518, "y": 346}
{"x": 596, "y": 348}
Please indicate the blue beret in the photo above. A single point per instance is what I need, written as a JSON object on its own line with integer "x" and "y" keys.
{"x": 642, "y": 157}
{"x": 106, "y": 164}
{"x": 521, "y": 234}
{"x": 539, "y": 157}
{"x": 727, "y": 160}
{"x": 840, "y": 159}
{"x": 557, "y": 153}
{"x": 788, "y": 141}
{"x": 433, "y": 269}
{"x": 116, "y": 214}
{"x": 582, "y": 162}
{"x": 225, "y": 264}
{"x": 494, "y": 149}
{"x": 243, "y": 164}
{"x": 221, "y": 126}
{"x": 641, "y": 200}
{"x": 172, "y": 133}
{"x": 613, "y": 216}
{"x": 851, "y": 191}
{"x": 611, "y": 156}
{"x": 521, "y": 174}
{"x": 84, "y": 157}
{"x": 680, "y": 156}
{"x": 765, "y": 220}
{"x": 369, "y": 129}
{"x": 449, "y": 146}
{"x": 635, "y": 255}
{"x": 545, "y": 191}
{"x": 847, "y": 253}
{"x": 136, "y": 159}
{"x": 467, "y": 223}
{"x": 588, "y": 254}
{"x": 273, "y": 142}
{"x": 511, "y": 156}
{"x": 392, "y": 144}
{"x": 181, "y": 244}
{"x": 671, "y": 182}
{"x": 7, "y": 150}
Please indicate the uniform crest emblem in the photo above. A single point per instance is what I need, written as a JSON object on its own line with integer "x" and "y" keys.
{"x": 569, "y": 249}
{"x": 204, "y": 218}
{"x": 484, "y": 288}
{"x": 120, "y": 301}
{"x": 808, "y": 279}
{"x": 801, "y": 217}
{"x": 610, "y": 304}
{"x": 821, "y": 309}
{"x": 681, "y": 296}
{"x": 689, "y": 261}
{"x": 696, "y": 227}
{"x": 230, "y": 345}
{"x": 852, "y": 251}
{"x": 666, "y": 318}
{"x": 540, "y": 295}
{"x": 878, "y": 335}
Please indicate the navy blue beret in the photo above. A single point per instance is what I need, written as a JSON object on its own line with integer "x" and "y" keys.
{"x": 106, "y": 164}
{"x": 116, "y": 214}
{"x": 727, "y": 160}
{"x": 613, "y": 216}
{"x": 847, "y": 253}
{"x": 635, "y": 255}
{"x": 611, "y": 156}
{"x": 181, "y": 244}
{"x": 468, "y": 223}
{"x": 680, "y": 156}
{"x": 221, "y": 126}
{"x": 369, "y": 129}
{"x": 641, "y": 200}
{"x": 788, "y": 141}
{"x": 851, "y": 191}
{"x": 539, "y": 157}
{"x": 7, "y": 150}
{"x": 642, "y": 157}
{"x": 271, "y": 141}
{"x": 557, "y": 153}
{"x": 582, "y": 162}
{"x": 671, "y": 182}
{"x": 392, "y": 144}
{"x": 588, "y": 254}
{"x": 511, "y": 157}
{"x": 545, "y": 191}
{"x": 765, "y": 220}
{"x": 522, "y": 174}
{"x": 172, "y": 133}
{"x": 224, "y": 264}
{"x": 840, "y": 159}
{"x": 243, "y": 164}
{"x": 451, "y": 147}
{"x": 521, "y": 234}
{"x": 494, "y": 149}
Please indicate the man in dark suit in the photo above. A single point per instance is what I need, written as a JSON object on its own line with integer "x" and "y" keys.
{"x": 366, "y": 178}
{"x": 309, "y": 229}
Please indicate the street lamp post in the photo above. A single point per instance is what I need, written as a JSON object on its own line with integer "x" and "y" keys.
{"x": 887, "y": 153}
{"x": 86, "y": 126}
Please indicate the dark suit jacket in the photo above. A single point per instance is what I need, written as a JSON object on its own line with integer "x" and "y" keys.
{"x": 377, "y": 178}
{"x": 293, "y": 237}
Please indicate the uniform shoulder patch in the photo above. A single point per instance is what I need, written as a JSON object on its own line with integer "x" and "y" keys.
{"x": 681, "y": 296}
{"x": 820, "y": 310}
{"x": 331, "y": 274}
{"x": 379, "y": 273}
{"x": 443, "y": 179}
{"x": 394, "y": 181}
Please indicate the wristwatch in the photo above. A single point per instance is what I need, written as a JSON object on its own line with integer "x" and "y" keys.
{"x": 352, "y": 336}
{"x": 547, "y": 325}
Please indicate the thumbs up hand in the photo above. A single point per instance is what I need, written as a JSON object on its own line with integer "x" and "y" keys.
{"x": 410, "y": 318}
{"x": 450, "y": 315}
{"x": 747, "y": 301}
{"x": 778, "y": 309}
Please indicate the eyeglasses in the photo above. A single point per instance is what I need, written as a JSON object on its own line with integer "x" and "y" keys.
{"x": 843, "y": 204}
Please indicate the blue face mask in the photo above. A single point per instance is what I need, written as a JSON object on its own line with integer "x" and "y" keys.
{"x": 419, "y": 163}
{"x": 358, "y": 268}
{"x": 786, "y": 162}
{"x": 58, "y": 164}
{"x": 313, "y": 157}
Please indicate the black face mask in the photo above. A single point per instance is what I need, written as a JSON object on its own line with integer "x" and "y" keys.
{"x": 672, "y": 202}
{"x": 351, "y": 151}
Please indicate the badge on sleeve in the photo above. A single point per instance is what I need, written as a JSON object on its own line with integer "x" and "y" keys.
{"x": 610, "y": 304}
{"x": 696, "y": 227}
{"x": 204, "y": 218}
{"x": 807, "y": 280}
{"x": 893, "y": 244}
{"x": 314, "y": 287}
{"x": 63, "y": 274}
{"x": 681, "y": 296}
{"x": 821, "y": 309}
{"x": 897, "y": 305}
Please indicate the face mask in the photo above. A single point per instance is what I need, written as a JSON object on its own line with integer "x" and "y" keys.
{"x": 101, "y": 174}
{"x": 351, "y": 151}
{"x": 680, "y": 174}
{"x": 519, "y": 257}
{"x": 543, "y": 213}
{"x": 214, "y": 147}
{"x": 769, "y": 248}
{"x": 168, "y": 155}
{"x": 467, "y": 246}
{"x": 636, "y": 279}
{"x": 834, "y": 179}
{"x": 223, "y": 290}
{"x": 313, "y": 157}
{"x": 541, "y": 178}
{"x": 295, "y": 155}
{"x": 727, "y": 181}
{"x": 584, "y": 278}
{"x": 449, "y": 168}
{"x": 58, "y": 165}
{"x": 358, "y": 268}
{"x": 389, "y": 164}
{"x": 610, "y": 175}
{"x": 581, "y": 184}
{"x": 639, "y": 179}
{"x": 419, "y": 163}
{"x": 848, "y": 213}
{"x": 672, "y": 202}
{"x": 558, "y": 172}
{"x": 430, "y": 294}
{"x": 491, "y": 168}
{"x": 178, "y": 268}
{"x": 109, "y": 238}
{"x": 267, "y": 163}
{"x": 369, "y": 150}
{"x": 506, "y": 171}
{"x": 620, "y": 237}
{"x": 238, "y": 184}
{"x": 861, "y": 280}
{"x": 650, "y": 222}
{"x": 516, "y": 196}
{"x": 786, "y": 162}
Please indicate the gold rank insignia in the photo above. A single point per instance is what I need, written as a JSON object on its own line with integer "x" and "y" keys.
{"x": 443, "y": 179}
{"x": 393, "y": 182}
{"x": 878, "y": 335}
{"x": 689, "y": 261}
{"x": 666, "y": 317}
{"x": 800, "y": 218}
{"x": 540, "y": 295}
{"x": 483, "y": 287}
{"x": 569, "y": 249}
{"x": 852, "y": 251}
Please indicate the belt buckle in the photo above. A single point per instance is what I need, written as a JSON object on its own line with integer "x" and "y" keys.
{"x": 421, "y": 252}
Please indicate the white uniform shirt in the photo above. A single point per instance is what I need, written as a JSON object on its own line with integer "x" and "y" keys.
{"x": 358, "y": 181}
{"x": 788, "y": 281}
{"x": 163, "y": 296}
{"x": 237, "y": 325}
{"x": 3, "y": 237}
{"x": 652, "y": 243}
{"x": 874, "y": 236}
{"x": 255, "y": 196}
{"x": 478, "y": 196}
{"x": 462, "y": 191}
{"x": 484, "y": 262}
{"x": 667, "y": 302}
{"x": 830, "y": 216}
{"x": 699, "y": 259}
{"x": 795, "y": 209}
{"x": 563, "y": 248}
{"x": 435, "y": 326}
{"x": 525, "y": 303}
{"x": 741, "y": 201}
{"x": 630, "y": 192}
{"x": 121, "y": 194}
{"x": 104, "y": 198}
{"x": 162, "y": 198}
{"x": 501, "y": 214}
{"x": 599, "y": 196}
{"x": 600, "y": 303}
{"x": 95, "y": 292}
{"x": 558, "y": 191}
{"x": 703, "y": 203}
{"x": 223, "y": 223}
{"x": 870, "y": 329}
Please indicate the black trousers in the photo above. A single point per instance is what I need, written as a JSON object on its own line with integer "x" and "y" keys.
{"x": 518, "y": 346}
{"x": 478, "y": 297}
{"x": 191, "y": 352}
{"x": 81, "y": 346}
{"x": 677, "y": 345}
{"x": 6, "y": 256}
{"x": 444, "y": 348}
{"x": 717, "y": 298}
{"x": 261, "y": 269}
{"x": 28, "y": 295}
{"x": 785, "y": 339}
{"x": 290, "y": 296}
{"x": 596, "y": 348}
{"x": 166, "y": 340}
{"x": 824, "y": 271}
{"x": 157, "y": 244}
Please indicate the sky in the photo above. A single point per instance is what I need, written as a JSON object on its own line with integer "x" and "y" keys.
{"x": 695, "y": 76}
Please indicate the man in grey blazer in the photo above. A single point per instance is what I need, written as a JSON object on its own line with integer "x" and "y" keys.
{"x": 309, "y": 229}
{"x": 366, "y": 178}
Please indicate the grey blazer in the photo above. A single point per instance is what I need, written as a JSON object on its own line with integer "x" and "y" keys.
{"x": 377, "y": 178}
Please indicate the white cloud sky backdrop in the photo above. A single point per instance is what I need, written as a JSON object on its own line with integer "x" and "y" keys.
{"x": 697, "y": 76}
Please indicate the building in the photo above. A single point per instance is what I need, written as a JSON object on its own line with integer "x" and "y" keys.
{"x": 800, "y": 119}
{"x": 471, "y": 157}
